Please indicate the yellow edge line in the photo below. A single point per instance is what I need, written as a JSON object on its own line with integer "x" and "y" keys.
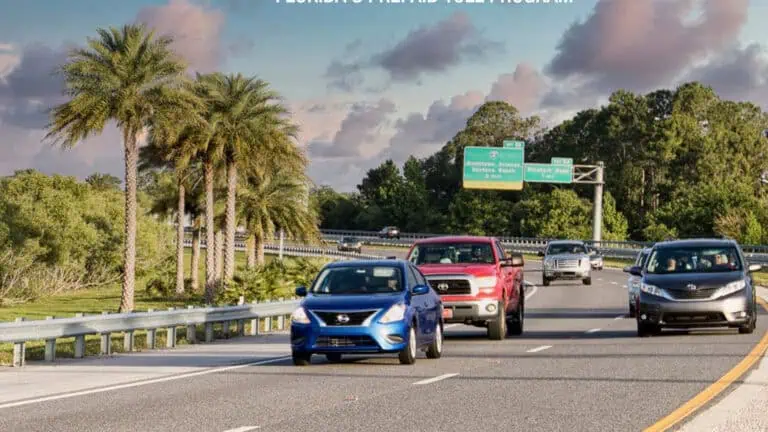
{"x": 717, "y": 387}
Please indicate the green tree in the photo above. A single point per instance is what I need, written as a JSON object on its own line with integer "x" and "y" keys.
{"x": 126, "y": 75}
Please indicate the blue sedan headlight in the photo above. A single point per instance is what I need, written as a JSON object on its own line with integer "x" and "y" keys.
{"x": 299, "y": 316}
{"x": 394, "y": 314}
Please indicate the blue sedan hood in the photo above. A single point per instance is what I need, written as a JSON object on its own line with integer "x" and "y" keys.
{"x": 351, "y": 302}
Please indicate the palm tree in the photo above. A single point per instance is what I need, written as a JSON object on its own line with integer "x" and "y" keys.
{"x": 246, "y": 111}
{"x": 126, "y": 75}
{"x": 273, "y": 199}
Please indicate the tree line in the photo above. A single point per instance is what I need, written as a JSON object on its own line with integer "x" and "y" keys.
{"x": 678, "y": 163}
{"x": 206, "y": 136}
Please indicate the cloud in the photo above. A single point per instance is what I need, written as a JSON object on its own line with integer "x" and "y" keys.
{"x": 523, "y": 88}
{"x": 738, "y": 74}
{"x": 360, "y": 129}
{"x": 9, "y": 59}
{"x": 426, "y": 50}
{"x": 640, "y": 45}
{"x": 195, "y": 28}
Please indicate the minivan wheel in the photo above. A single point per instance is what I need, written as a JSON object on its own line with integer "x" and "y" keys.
{"x": 749, "y": 328}
{"x": 301, "y": 358}
{"x": 645, "y": 329}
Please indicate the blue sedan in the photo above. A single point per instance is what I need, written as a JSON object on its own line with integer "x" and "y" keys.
{"x": 367, "y": 307}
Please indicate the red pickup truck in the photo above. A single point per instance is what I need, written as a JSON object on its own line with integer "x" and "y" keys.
{"x": 478, "y": 282}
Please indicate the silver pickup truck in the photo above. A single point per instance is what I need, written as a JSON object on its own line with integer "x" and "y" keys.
{"x": 566, "y": 259}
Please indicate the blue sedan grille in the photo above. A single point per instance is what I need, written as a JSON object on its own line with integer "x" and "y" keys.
{"x": 344, "y": 341}
{"x": 344, "y": 318}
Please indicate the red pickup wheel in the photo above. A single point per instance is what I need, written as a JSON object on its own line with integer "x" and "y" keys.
{"x": 497, "y": 329}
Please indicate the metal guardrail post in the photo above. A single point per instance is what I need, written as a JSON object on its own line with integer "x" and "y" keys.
{"x": 129, "y": 340}
{"x": 267, "y": 324}
{"x": 170, "y": 334}
{"x": 50, "y": 347}
{"x": 255, "y": 324}
{"x": 241, "y": 327}
{"x": 19, "y": 350}
{"x": 151, "y": 335}
{"x": 191, "y": 330}
{"x": 209, "y": 332}
{"x": 79, "y": 341}
{"x": 225, "y": 329}
{"x": 106, "y": 341}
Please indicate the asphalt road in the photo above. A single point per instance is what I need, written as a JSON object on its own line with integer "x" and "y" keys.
{"x": 578, "y": 367}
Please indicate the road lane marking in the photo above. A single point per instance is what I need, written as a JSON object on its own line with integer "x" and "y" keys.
{"x": 594, "y": 330}
{"x": 599, "y": 279}
{"x": 717, "y": 387}
{"x": 533, "y": 291}
{"x": 541, "y": 348}
{"x": 435, "y": 379}
{"x": 614, "y": 283}
{"x": 619, "y": 317}
{"x": 450, "y": 326}
{"x": 243, "y": 429}
{"x": 141, "y": 383}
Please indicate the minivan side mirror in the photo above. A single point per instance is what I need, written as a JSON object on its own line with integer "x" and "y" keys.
{"x": 301, "y": 291}
{"x": 634, "y": 270}
{"x": 755, "y": 267}
{"x": 420, "y": 289}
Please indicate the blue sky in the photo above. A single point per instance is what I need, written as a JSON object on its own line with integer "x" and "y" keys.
{"x": 293, "y": 45}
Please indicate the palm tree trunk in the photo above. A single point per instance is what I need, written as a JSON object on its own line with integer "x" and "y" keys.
{"x": 180, "y": 212}
{"x": 210, "y": 250}
{"x": 259, "y": 250}
{"x": 219, "y": 255}
{"x": 230, "y": 224}
{"x": 250, "y": 246}
{"x": 129, "y": 251}
{"x": 195, "y": 267}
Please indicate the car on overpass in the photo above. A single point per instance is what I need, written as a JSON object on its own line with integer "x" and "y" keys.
{"x": 367, "y": 307}
{"x": 566, "y": 259}
{"x": 480, "y": 285}
{"x": 390, "y": 232}
{"x": 595, "y": 258}
{"x": 633, "y": 282}
{"x": 696, "y": 283}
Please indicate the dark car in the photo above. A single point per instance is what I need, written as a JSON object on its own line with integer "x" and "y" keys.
{"x": 350, "y": 244}
{"x": 390, "y": 232}
{"x": 633, "y": 282}
{"x": 695, "y": 284}
{"x": 367, "y": 307}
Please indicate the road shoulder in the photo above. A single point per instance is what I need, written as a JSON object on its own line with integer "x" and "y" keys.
{"x": 741, "y": 409}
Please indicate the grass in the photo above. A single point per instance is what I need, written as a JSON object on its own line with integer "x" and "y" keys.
{"x": 107, "y": 299}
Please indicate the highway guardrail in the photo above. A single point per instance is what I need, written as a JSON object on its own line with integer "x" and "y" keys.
{"x": 50, "y": 330}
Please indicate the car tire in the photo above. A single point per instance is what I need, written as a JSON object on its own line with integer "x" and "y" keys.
{"x": 645, "y": 329}
{"x": 435, "y": 349}
{"x": 516, "y": 325}
{"x": 749, "y": 328}
{"x": 587, "y": 280}
{"x": 632, "y": 312}
{"x": 301, "y": 358}
{"x": 333, "y": 357}
{"x": 545, "y": 281}
{"x": 497, "y": 329}
{"x": 408, "y": 354}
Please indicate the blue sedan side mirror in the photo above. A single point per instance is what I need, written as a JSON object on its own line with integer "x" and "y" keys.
{"x": 301, "y": 291}
{"x": 420, "y": 289}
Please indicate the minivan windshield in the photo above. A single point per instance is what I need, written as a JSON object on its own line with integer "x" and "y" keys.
{"x": 452, "y": 253}
{"x": 566, "y": 248}
{"x": 694, "y": 259}
{"x": 358, "y": 279}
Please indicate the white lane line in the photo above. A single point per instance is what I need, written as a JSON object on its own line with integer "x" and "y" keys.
{"x": 450, "y": 326}
{"x": 243, "y": 429}
{"x": 532, "y": 292}
{"x": 614, "y": 283}
{"x": 435, "y": 379}
{"x": 619, "y": 317}
{"x": 537, "y": 349}
{"x": 594, "y": 330}
{"x": 600, "y": 279}
{"x": 141, "y": 383}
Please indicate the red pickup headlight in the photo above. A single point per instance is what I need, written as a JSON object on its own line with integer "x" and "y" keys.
{"x": 486, "y": 284}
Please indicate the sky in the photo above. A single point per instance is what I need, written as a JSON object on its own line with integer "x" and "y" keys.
{"x": 379, "y": 80}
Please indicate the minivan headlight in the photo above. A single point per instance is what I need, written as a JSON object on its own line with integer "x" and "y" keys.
{"x": 732, "y": 287}
{"x": 653, "y": 290}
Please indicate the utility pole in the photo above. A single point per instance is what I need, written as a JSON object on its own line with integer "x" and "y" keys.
{"x": 282, "y": 239}
{"x": 597, "y": 205}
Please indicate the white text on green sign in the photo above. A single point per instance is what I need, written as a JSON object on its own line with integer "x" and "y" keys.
{"x": 548, "y": 173}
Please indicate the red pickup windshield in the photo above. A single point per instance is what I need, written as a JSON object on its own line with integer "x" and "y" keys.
{"x": 452, "y": 253}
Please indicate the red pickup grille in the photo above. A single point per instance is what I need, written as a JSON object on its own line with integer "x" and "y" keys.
{"x": 451, "y": 286}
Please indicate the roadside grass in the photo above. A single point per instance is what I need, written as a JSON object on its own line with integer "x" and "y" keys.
{"x": 107, "y": 299}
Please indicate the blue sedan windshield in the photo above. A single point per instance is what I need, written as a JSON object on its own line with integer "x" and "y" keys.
{"x": 359, "y": 279}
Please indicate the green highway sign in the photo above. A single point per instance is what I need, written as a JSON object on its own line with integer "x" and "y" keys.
{"x": 494, "y": 167}
{"x": 562, "y": 161}
{"x": 548, "y": 173}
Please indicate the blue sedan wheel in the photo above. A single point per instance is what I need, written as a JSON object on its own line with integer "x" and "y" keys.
{"x": 435, "y": 349}
{"x": 408, "y": 354}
